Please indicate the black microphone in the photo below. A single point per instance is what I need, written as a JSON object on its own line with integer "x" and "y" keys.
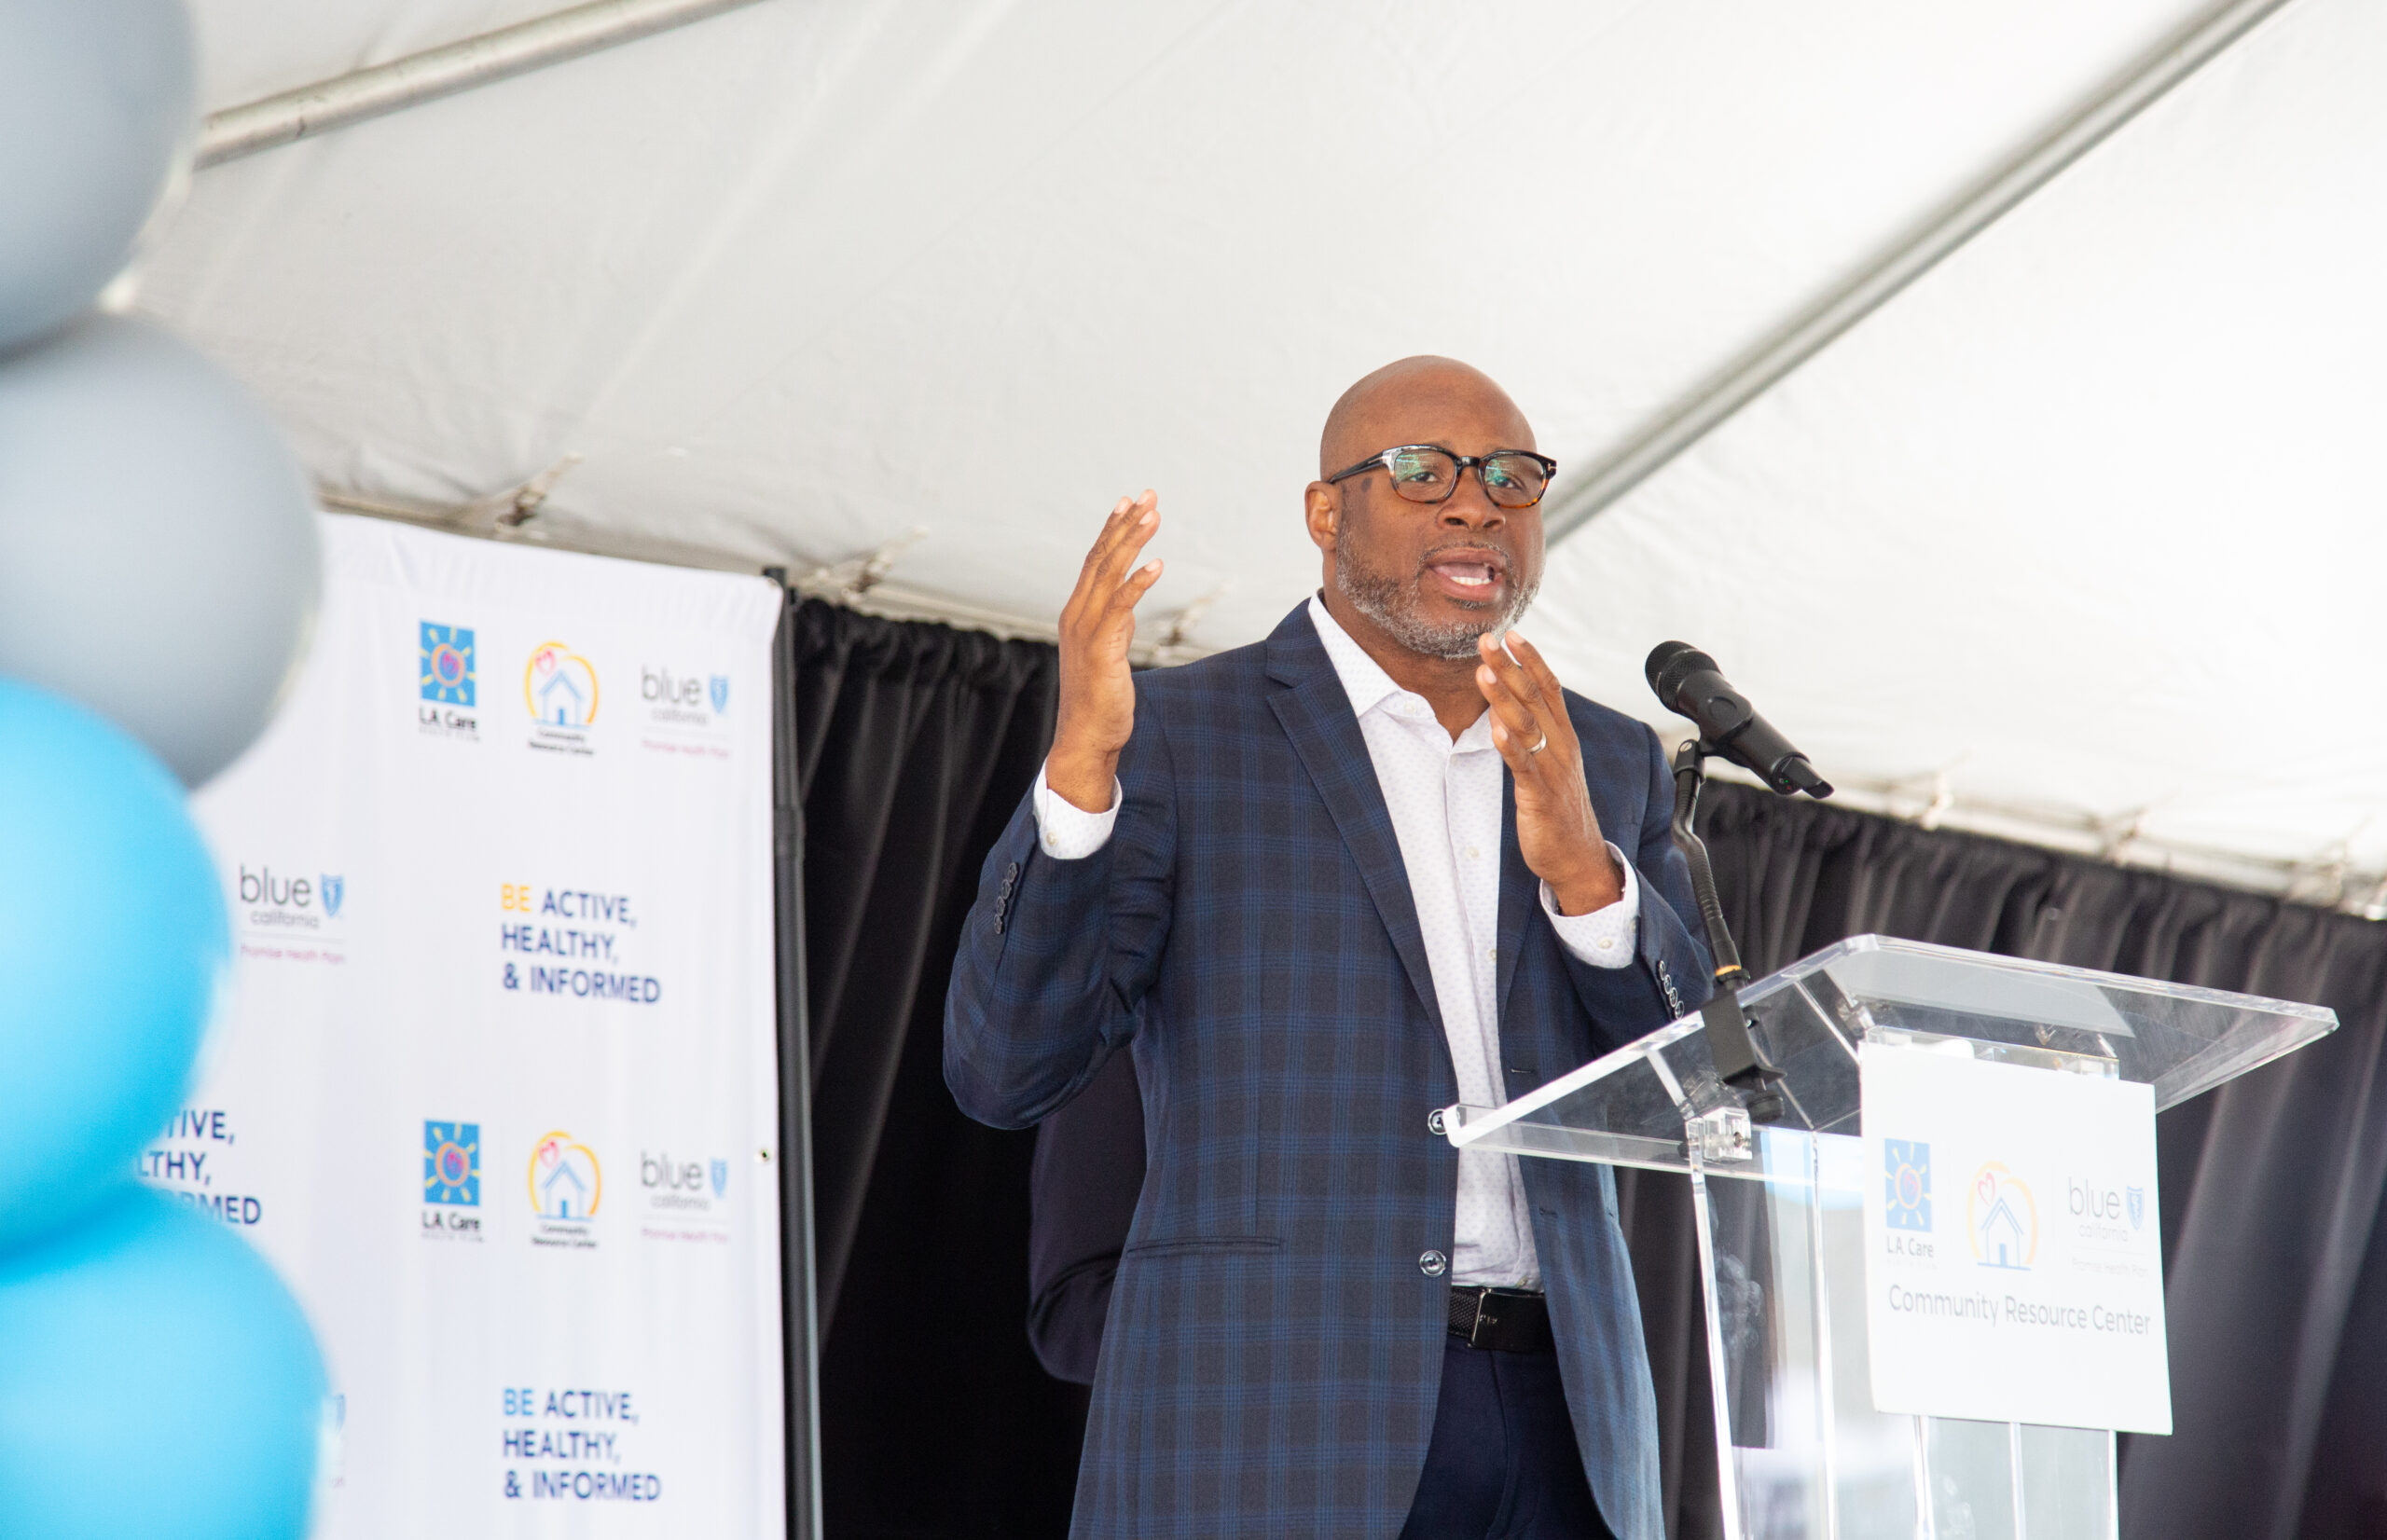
{"x": 1689, "y": 684}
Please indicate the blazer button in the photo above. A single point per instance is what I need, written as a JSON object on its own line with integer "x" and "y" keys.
{"x": 1434, "y": 1264}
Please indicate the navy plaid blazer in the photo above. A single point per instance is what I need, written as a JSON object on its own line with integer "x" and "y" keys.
{"x": 1275, "y": 1344}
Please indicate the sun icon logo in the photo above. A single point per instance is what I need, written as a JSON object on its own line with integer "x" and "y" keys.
{"x": 559, "y": 686}
{"x": 1906, "y": 1167}
{"x": 451, "y": 1163}
{"x": 446, "y": 663}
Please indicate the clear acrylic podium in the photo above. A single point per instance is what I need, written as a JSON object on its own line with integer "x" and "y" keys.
{"x": 1800, "y": 1451}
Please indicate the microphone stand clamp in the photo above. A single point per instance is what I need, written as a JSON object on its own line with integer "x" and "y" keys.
{"x": 1740, "y": 1063}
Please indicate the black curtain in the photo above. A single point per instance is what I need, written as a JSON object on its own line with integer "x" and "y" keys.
{"x": 914, "y": 743}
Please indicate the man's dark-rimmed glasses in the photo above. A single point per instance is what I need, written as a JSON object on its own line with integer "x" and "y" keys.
{"x": 1428, "y": 473}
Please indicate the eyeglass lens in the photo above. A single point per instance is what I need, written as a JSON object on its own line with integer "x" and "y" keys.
{"x": 1511, "y": 479}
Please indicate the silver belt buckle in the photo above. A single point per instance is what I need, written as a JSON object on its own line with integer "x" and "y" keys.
{"x": 1483, "y": 1317}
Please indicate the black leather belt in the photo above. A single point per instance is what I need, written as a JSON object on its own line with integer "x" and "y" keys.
{"x": 1506, "y": 1320}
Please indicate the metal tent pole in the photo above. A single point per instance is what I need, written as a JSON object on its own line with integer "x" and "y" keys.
{"x": 434, "y": 73}
{"x": 1913, "y": 254}
{"x": 799, "y": 1299}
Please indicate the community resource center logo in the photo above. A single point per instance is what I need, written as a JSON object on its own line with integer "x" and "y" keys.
{"x": 2002, "y": 1218}
{"x": 446, "y": 664}
{"x": 559, "y": 686}
{"x": 1906, "y": 1167}
{"x": 566, "y": 1183}
{"x": 451, "y": 1163}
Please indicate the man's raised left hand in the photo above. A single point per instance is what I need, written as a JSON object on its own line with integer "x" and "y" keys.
{"x": 1556, "y": 829}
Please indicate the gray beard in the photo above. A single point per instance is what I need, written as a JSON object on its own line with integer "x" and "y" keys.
{"x": 1392, "y": 604}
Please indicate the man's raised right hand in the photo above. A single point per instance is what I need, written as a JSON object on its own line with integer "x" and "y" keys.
{"x": 1097, "y": 708}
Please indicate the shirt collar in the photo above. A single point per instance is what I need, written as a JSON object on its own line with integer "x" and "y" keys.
{"x": 1369, "y": 686}
{"x": 1363, "y": 678}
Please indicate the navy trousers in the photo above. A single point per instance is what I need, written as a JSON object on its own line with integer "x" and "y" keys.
{"x": 1502, "y": 1464}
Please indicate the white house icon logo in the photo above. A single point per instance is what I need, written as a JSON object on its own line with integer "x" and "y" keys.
{"x": 565, "y": 1180}
{"x": 2002, "y": 1218}
{"x": 559, "y": 686}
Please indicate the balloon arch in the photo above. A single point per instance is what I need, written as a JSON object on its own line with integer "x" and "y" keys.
{"x": 159, "y": 577}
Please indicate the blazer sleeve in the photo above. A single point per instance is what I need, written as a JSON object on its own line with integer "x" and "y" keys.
{"x": 1057, "y": 954}
{"x": 1672, "y": 974}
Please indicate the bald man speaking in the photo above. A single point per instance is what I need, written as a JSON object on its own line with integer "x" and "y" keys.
{"x": 1377, "y": 864}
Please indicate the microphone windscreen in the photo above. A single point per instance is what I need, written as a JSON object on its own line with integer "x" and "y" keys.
{"x": 1672, "y": 662}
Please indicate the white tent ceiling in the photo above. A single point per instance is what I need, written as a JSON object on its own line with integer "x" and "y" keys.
{"x": 2086, "y": 522}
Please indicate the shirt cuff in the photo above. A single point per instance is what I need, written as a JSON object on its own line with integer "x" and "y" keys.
{"x": 1604, "y": 938}
{"x": 1068, "y": 832}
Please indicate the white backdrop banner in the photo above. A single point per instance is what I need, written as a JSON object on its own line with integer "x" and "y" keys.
{"x": 494, "y": 1084}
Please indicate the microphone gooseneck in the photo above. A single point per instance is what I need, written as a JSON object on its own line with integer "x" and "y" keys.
{"x": 1688, "y": 683}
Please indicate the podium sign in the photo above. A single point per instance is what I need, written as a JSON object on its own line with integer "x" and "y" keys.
{"x": 2012, "y": 1265}
{"x": 1970, "y": 1080}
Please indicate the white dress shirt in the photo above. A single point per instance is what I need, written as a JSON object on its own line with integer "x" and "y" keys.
{"x": 1444, "y": 798}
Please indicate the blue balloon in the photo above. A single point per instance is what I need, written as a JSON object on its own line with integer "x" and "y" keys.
{"x": 112, "y": 938}
{"x": 99, "y": 109}
{"x": 156, "y": 1379}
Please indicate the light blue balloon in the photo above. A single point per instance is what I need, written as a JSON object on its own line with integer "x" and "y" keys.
{"x": 158, "y": 556}
{"x": 99, "y": 109}
{"x": 112, "y": 939}
{"x": 155, "y": 1381}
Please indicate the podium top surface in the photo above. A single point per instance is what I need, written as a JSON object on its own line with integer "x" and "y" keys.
{"x": 1650, "y": 1101}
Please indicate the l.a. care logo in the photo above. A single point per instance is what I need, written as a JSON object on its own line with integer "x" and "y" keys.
{"x": 446, "y": 681}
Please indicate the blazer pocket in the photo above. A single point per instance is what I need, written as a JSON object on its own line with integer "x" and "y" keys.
{"x": 1199, "y": 1245}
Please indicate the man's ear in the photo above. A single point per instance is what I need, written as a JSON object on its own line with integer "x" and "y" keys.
{"x": 1322, "y": 510}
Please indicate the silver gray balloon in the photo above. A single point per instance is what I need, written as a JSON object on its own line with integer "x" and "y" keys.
{"x": 158, "y": 556}
{"x": 98, "y": 114}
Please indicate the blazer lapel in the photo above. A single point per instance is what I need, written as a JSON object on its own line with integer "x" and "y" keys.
{"x": 1316, "y": 714}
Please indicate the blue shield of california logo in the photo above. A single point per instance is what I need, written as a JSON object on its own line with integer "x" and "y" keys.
{"x": 451, "y": 1163}
{"x": 334, "y": 889}
{"x": 720, "y": 1178}
{"x": 1906, "y": 1166}
{"x": 447, "y": 663}
{"x": 720, "y": 694}
{"x": 2137, "y": 1196}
